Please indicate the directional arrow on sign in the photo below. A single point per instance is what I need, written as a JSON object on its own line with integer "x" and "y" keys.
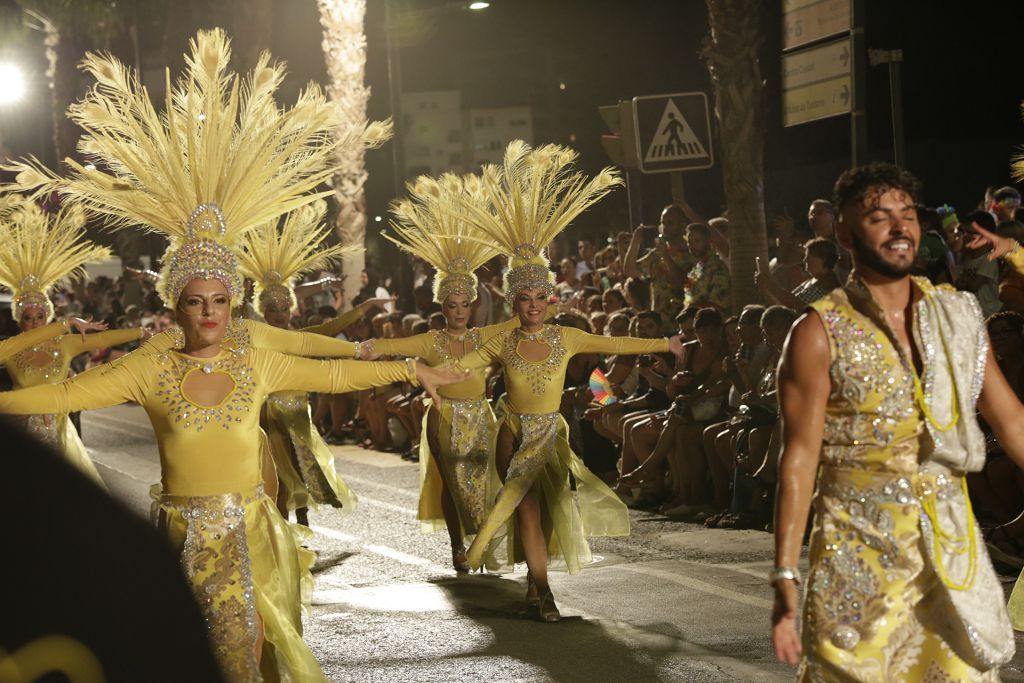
{"x": 844, "y": 56}
{"x": 845, "y": 95}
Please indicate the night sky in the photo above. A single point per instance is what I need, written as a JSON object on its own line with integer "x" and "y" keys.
{"x": 962, "y": 85}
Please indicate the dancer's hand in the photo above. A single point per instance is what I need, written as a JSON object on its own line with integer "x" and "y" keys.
{"x": 785, "y": 638}
{"x": 1001, "y": 246}
{"x": 675, "y": 345}
{"x": 82, "y": 326}
{"x": 433, "y": 378}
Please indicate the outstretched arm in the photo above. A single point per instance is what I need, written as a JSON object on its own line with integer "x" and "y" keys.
{"x": 577, "y": 341}
{"x": 417, "y": 346}
{"x": 803, "y": 389}
{"x": 107, "y": 385}
{"x": 335, "y": 326}
{"x": 75, "y": 344}
{"x": 26, "y": 340}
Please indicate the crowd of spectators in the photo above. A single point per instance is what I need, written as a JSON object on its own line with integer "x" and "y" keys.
{"x": 695, "y": 437}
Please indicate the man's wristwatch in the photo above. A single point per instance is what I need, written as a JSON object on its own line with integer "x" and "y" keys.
{"x": 784, "y": 573}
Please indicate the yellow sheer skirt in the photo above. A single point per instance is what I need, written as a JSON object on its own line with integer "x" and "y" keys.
{"x": 568, "y": 517}
{"x": 875, "y": 610}
{"x": 465, "y": 435}
{"x": 248, "y": 572}
{"x": 304, "y": 461}
{"x": 57, "y": 431}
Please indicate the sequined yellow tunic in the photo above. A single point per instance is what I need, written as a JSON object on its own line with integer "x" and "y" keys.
{"x": 543, "y": 455}
{"x": 49, "y": 362}
{"x": 304, "y": 462}
{"x": 239, "y": 554}
{"x": 875, "y": 609}
{"x": 465, "y": 430}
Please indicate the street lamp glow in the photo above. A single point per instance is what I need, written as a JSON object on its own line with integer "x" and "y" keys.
{"x": 377, "y": 219}
{"x": 479, "y": 5}
{"x": 12, "y": 83}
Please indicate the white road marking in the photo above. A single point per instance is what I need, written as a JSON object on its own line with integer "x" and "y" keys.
{"x": 376, "y": 484}
{"x": 373, "y": 502}
{"x": 382, "y": 550}
{"x": 696, "y": 584}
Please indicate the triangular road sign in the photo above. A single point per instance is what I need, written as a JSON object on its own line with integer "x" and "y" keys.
{"x": 674, "y": 139}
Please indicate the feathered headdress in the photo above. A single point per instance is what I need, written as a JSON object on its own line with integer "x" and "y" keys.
{"x": 430, "y": 225}
{"x": 39, "y": 250}
{"x": 220, "y": 160}
{"x": 274, "y": 258}
{"x": 532, "y": 196}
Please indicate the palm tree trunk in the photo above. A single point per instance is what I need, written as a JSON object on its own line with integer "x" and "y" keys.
{"x": 731, "y": 53}
{"x": 345, "y": 53}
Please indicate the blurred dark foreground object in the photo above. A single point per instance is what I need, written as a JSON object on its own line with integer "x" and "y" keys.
{"x": 87, "y": 587}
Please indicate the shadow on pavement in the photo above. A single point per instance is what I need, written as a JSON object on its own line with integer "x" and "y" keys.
{"x": 574, "y": 649}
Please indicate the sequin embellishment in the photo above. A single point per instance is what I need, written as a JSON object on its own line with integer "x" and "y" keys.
{"x": 538, "y": 374}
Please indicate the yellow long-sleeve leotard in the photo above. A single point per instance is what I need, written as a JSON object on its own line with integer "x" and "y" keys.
{"x": 13, "y": 345}
{"x": 309, "y": 343}
{"x": 536, "y": 387}
{"x": 49, "y": 362}
{"x": 204, "y": 450}
{"x": 304, "y": 463}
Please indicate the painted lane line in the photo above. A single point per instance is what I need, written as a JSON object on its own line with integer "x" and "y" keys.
{"x": 376, "y": 484}
{"x": 373, "y": 502}
{"x": 697, "y": 585}
{"x": 382, "y": 550}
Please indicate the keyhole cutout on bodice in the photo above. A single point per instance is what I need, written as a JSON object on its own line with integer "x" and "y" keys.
{"x": 458, "y": 349}
{"x": 38, "y": 359}
{"x": 533, "y": 351}
{"x": 207, "y": 390}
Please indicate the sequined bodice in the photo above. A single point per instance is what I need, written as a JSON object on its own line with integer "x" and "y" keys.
{"x": 528, "y": 379}
{"x": 871, "y": 406}
{"x": 443, "y": 341}
{"x": 26, "y": 371}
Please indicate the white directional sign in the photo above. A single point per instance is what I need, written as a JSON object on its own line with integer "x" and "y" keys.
{"x": 817, "y": 83}
{"x": 805, "y": 21}
{"x": 673, "y": 132}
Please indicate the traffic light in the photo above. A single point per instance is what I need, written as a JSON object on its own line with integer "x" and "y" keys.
{"x": 621, "y": 143}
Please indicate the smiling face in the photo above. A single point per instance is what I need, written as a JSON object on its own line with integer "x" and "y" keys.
{"x": 882, "y": 232}
{"x": 32, "y": 317}
{"x": 530, "y": 305}
{"x": 204, "y": 311}
{"x": 457, "y": 309}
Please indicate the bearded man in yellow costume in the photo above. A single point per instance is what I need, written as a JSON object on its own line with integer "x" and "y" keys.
{"x": 878, "y": 388}
{"x": 221, "y": 160}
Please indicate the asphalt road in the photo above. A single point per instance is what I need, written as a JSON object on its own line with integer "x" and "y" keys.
{"x": 673, "y": 602}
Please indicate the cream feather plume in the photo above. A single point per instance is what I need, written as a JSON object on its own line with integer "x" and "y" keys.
{"x": 429, "y": 225}
{"x": 221, "y": 158}
{"x": 274, "y": 258}
{"x": 40, "y": 250}
{"x": 533, "y": 196}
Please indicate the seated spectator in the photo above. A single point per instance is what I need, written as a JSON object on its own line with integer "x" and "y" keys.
{"x": 820, "y": 260}
{"x": 612, "y": 300}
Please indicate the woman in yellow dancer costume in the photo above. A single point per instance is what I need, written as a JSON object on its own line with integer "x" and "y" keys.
{"x": 222, "y": 160}
{"x": 457, "y": 478}
{"x": 40, "y": 251}
{"x": 532, "y": 197}
{"x": 273, "y": 259}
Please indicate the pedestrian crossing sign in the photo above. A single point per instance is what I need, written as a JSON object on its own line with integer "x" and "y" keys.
{"x": 673, "y": 132}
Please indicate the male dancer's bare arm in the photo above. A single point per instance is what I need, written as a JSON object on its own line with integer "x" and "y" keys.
{"x": 1002, "y": 410}
{"x": 803, "y": 389}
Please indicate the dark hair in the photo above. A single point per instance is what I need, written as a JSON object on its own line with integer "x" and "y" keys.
{"x": 825, "y": 249}
{"x": 650, "y": 315}
{"x": 854, "y": 184}
{"x": 751, "y": 311}
{"x": 982, "y": 218}
{"x": 617, "y": 294}
{"x": 1010, "y": 317}
{"x": 775, "y": 316}
{"x": 708, "y": 317}
{"x": 639, "y": 290}
{"x": 437, "y": 317}
{"x": 824, "y": 203}
{"x": 327, "y": 312}
{"x": 929, "y": 219}
{"x": 421, "y": 327}
{"x": 686, "y": 314}
{"x": 701, "y": 228}
{"x": 1006, "y": 193}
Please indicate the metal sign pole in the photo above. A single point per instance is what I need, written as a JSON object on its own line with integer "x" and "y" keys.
{"x": 858, "y": 72}
{"x": 676, "y": 178}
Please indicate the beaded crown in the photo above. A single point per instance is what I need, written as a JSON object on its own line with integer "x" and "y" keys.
{"x": 38, "y": 250}
{"x": 430, "y": 225}
{"x": 221, "y": 159}
{"x": 274, "y": 258}
{"x": 531, "y": 197}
